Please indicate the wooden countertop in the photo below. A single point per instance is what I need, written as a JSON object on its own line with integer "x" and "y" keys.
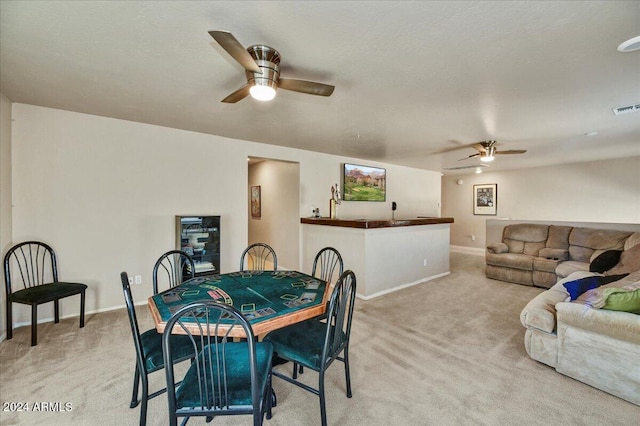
{"x": 371, "y": 224}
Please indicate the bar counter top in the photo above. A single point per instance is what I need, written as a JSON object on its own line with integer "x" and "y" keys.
{"x": 375, "y": 223}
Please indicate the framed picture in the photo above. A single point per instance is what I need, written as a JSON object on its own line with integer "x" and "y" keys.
{"x": 485, "y": 199}
{"x": 256, "y": 208}
{"x": 363, "y": 183}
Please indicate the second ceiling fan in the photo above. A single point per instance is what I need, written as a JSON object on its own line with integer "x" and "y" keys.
{"x": 262, "y": 69}
{"x": 487, "y": 151}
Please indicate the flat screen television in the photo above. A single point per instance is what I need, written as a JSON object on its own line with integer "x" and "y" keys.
{"x": 363, "y": 183}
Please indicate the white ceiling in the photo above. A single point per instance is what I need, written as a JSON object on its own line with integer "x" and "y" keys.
{"x": 416, "y": 82}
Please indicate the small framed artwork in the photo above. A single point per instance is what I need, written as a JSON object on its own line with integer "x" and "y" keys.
{"x": 256, "y": 208}
{"x": 485, "y": 199}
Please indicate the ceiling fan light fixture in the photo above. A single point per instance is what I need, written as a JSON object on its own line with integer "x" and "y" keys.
{"x": 488, "y": 155}
{"x": 262, "y": 92}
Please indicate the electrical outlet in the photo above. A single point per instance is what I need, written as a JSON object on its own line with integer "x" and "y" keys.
{"x": 130, "y": 280}
{"x": 425, "y": 262}
{"x": 138, "y": 279}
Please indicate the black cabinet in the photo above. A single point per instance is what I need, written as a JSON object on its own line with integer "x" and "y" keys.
{"x": 199, "y": 236}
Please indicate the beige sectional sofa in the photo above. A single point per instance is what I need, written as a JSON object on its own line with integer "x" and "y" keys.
{"x": 590, "y": 338}
{"x": 540, "y": 254}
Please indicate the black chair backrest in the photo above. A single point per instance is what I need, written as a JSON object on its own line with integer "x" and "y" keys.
{"x": 203, "y": 323}
{"x": 174, "y": 267}
{"x": 33, "y": 262}
{"x": 339, "y": 317}
{"x": 325, "y": 263}
{"x": 133, "y": 320}
{"x": 259, "y": 256}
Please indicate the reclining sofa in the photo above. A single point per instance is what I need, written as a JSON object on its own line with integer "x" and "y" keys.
{"x": 540, "y": 255}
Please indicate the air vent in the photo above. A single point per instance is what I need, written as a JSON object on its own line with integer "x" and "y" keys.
{"x": 626, "y": 109}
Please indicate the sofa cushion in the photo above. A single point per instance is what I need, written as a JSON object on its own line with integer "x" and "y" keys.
{"x": 554, "y": 253}
{"x": 629, "y": 262}
{"x": 633, "y": 240}
{"x": 510, "y": 260}
{"x": 584, "y": 241}
{"x": 564, "y": 269}
{"x": 603, "y": 260}
{"x": 559, "y": 237}
{"x": 525, "y": 238}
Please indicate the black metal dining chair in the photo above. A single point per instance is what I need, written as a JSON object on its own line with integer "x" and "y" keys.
{"x": 31, "y": 278}
{"x": 316, "y": 343}
{"x": 259, "y": 257}
{"x": 326, "y": 265}
{"x": 227, "y": 377}
{"x": 149, "y": 357}
{"x": 171, "y": 269}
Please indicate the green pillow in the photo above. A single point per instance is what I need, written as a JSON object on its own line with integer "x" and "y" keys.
{"x": 627, "y": 301}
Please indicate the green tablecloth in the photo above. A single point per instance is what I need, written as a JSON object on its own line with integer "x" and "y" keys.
{"x": 259, "y": 295}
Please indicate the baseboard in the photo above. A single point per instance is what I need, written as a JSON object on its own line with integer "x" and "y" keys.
{"x": 468, "y": 250}
{"x": 400, "y": 287}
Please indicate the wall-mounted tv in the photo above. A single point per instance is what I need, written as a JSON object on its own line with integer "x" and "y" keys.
{"x": 363, "y": 183}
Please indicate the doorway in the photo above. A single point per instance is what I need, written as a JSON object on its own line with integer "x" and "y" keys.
{"x": 273, "y": 192}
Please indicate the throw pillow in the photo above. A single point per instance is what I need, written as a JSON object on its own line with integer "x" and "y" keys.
{"x": 629, "y": 262}
{"x": 627, "y": 301}
{"x": 577, "y": 287}
{"x": 605, "y": 261}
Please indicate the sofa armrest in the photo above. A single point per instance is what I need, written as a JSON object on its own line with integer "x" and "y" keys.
{"x": 540, "y": 312}
{"x": 498, "y": 248}
{"x": 556, "y": 254}
{"x": 615, "y": 324}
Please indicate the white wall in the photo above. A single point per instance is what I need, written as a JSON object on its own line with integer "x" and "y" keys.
{"x": 104, "y": 193}
{"x": 5, "y": 188}
{"x": 279, "y": 224}
{"x": 601, "y": 191}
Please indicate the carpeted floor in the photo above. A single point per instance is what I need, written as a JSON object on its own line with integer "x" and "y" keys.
{"x": 446, "y": 352}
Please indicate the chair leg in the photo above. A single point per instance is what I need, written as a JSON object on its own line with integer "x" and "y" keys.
{"x": 9, "y": 322}
{"x": 56, "y": 311}
{"x": 82, "y": 309}
{"x": 294, "y": 374}
{"x": 144, "y": 399}
{"x": 34, "y": 325}
{"x": 323, "y": 408}
{"x": 346, "y": 372}
{"x": 136, "y": 383}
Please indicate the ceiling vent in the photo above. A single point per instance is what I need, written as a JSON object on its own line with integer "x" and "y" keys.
{"x": 626, "y": 109}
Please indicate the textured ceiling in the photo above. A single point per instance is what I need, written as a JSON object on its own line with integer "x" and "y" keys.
{"x": 416, "y": 82}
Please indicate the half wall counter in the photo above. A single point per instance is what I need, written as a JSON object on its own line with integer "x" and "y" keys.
{"x": 386, "y": 255}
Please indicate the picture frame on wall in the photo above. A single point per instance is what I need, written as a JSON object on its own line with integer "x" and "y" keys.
{"x": 256, "y": 207}
{"x": 485, "y": 199}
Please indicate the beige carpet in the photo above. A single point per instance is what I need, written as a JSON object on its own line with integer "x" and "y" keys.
{"x": 447, "y": 352}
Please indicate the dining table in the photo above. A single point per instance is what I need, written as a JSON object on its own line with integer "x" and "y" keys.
{"x": 269, "y": 300}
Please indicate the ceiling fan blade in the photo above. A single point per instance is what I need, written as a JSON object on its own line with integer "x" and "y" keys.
{"x": 479, "y": 147}
{"x": 236, "y": 50}
{"x": 512, "y": 151}
{"x": 238, "y": 95}
{"x": 308, "y": 87}
{"x": 471, "y": 156}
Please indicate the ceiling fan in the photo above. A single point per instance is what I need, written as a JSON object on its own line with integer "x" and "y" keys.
{"x": 262, "y": 65}
{"x": 487, "y": 151}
